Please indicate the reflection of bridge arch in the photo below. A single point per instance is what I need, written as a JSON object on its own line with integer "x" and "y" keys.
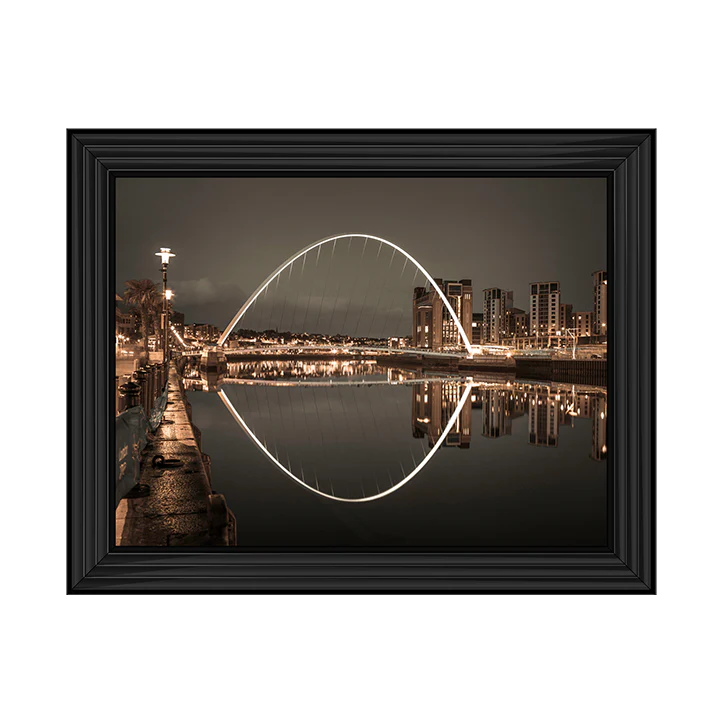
{"x": 450, "y": 424}
{"x": 331, "y": 239}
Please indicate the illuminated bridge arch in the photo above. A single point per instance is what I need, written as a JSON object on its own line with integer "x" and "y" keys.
{"x": 332, "y": 239}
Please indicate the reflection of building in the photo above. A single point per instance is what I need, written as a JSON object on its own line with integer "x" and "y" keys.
{"x": 600, "y": 303}
{"x": 544, "y": 419}
{"x": 433, "y": 404}
{"x": 583, "y": 323}
{"x": 433, "y": 326}
{"x": 494, "y": 305}
{"x": 496, "y": 412}
{"x": 599, "y": 428}
{"x": 545, "y": 320}
{"x": 477, "y": 320}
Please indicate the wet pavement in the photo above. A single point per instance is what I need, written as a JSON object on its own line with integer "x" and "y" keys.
{"x": 181, "y": 508}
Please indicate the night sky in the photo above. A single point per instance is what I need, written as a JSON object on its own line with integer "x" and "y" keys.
{"x": 230, "y": 234}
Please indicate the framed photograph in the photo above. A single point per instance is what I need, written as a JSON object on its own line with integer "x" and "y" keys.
{"x": 361, "y": 361}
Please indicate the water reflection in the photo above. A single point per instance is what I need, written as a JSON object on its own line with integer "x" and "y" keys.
{"x": 340, "y": 429}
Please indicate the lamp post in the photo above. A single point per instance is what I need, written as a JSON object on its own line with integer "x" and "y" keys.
{"x": 574, "y": 341}
{"x": 166, "y": 256}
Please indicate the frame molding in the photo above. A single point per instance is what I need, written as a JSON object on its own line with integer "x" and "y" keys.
{"x": 625, "y": 157}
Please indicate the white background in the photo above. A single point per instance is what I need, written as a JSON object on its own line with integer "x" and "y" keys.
{"x": 372, "y": 64}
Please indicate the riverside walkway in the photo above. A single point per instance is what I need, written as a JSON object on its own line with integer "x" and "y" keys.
{"x": 181, "y": 508}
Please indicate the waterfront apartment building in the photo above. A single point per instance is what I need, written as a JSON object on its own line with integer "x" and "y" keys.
{"x": 433, "y": 326}
{"x": 583, "y": 323}
{"x": 202, "y": 332}
{"x": 600, "y": 303}
{"x": 568, "y": 317}
{"x": 495, "y": 303}
{"x": 477, "y": 319}
{"x": 545, "y": 312}
{"x": 517, "y": 323}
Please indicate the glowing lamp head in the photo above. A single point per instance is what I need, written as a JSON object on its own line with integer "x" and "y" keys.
{"x": 165, "y": 255}
{"x": 169, "y": 294}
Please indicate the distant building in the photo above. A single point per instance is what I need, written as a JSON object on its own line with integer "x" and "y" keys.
{"x": 398, "y": 342}
{"x": 583, "y": 323}
{"x": 178, "y": 320}
{"x": 477, "y": 319}
{"x": 568, "y": 320}
{"x": 600, "y": 303}
{"x": 202, "y": 332}
{"x": 545, "y": 318}
{"x": 494, "y": 305}
{"x": 517, "y": 323}
{"x": 433, "y": 326}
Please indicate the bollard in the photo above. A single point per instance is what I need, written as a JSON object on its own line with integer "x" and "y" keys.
{"x": 141, "y": 376}
{"x": 153, "y": 386}
{"x": 130, "y": 395}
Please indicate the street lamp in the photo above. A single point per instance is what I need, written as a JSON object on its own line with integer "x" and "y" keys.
{"x": 166, "y": 256}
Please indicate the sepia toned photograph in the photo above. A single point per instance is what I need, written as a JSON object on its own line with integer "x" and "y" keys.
{"x": 361, "y": 363}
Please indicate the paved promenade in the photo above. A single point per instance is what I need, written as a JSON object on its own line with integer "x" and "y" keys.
{"x": 181, "y": 508}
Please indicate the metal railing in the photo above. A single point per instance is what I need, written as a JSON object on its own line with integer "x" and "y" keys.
{"x": 141, "y": 388}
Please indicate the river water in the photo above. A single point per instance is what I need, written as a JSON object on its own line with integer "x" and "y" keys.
{"x": 325, "y": 453}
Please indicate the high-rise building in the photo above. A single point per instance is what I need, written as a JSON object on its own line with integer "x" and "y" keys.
{"x": 600, "y": 303}
{"x": 494, "y": 305}
{"x": 583, "y": 323}
{"x": 433, "y": 326}
{"x": 477, "y": 320}
{"x": 545, "y": 319}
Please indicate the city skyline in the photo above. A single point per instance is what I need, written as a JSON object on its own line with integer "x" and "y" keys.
{"x": 557, "y": 230}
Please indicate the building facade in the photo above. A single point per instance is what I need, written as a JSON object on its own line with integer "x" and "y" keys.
{"x": 568, "y": 317}
{"x": 495, "y": 303}
{"x": 545, "y": 312}
{"x": 477, "y": 319}
{"x": 202, "y": 332}
{"x": 517, "y": 323}
{"x": 583, "y": 323}
{"x": 600, "y": 303}
{"x": 433, "y": 326}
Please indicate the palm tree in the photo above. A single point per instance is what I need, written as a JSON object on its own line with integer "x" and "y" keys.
{"x": 143, "y": 294}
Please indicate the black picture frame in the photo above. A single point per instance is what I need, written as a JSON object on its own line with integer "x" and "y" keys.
{"x": 96, "y": 158}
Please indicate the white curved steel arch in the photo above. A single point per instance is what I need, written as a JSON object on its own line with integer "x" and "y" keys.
{"x": 323, "y": 241}
{"x": 291, "y": 475}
